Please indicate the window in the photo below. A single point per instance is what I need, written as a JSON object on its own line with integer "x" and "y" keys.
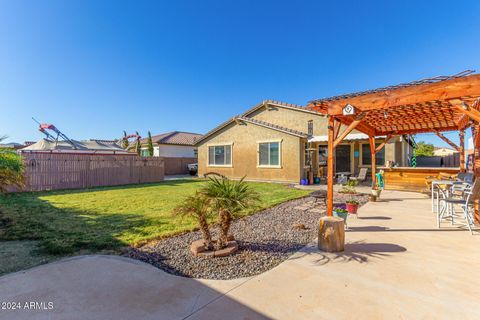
{"x": 144, "y": 153}
{"x": 220, "y": 155}
{"x": 366, "y": 155}
{"x": 269, "y": 154}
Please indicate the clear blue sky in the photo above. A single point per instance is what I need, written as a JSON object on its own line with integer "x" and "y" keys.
{"x": 95, "y": 68}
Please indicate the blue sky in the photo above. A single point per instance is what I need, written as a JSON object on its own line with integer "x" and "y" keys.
{"x": 96, "y": 68}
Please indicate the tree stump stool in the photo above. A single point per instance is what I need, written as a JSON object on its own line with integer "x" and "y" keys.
{"x": 331, "y": 234}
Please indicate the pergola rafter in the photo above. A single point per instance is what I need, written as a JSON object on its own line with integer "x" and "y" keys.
{"x": 445, "y": 103}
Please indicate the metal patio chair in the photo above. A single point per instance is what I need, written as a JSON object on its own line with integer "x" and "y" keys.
{"x": 448, "y": 201}
{"x": 362, "y": 175}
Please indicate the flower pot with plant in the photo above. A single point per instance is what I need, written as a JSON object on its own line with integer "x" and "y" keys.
{"x": 376, "y": 191}
{"x": 352, "y": 206}
{"x": 341, "y": 213}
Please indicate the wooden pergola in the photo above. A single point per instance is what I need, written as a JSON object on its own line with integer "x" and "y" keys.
{"x": 445, "y": 103}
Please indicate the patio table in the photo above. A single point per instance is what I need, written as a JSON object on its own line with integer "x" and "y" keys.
{"x": 342, "y": 177}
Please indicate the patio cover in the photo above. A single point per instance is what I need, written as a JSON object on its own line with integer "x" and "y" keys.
{"x": 349, "y": 137}
{"x": 438, "y": 104}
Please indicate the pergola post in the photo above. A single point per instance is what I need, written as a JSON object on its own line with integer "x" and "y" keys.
{"x": 461, "y": 134}
{"x": 476, "y": 167}
{"x": 330, "y": 165}
{"x": 371, "y": 140}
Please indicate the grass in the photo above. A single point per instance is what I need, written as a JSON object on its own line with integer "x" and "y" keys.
{"x": 96, "y": 220}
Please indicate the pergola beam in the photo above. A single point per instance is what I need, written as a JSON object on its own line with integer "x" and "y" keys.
{"x": 443, "y": 90}
{"x": 336, "y": 129}
{"x": 465, "y": 109}
{"x": 461, "y": 135}
{"x": 448, "y": 141}
{"x": 371, "y": 140}
{"x": 349, "y": 129}
{"x": 387, "y": 139}
{"x": 330, "y": 165}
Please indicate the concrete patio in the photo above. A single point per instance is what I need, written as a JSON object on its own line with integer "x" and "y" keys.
{"x": 397, "y": 265}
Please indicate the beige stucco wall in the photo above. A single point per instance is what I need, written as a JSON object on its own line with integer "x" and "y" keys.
{"x": 244, "y": 138}
{"x": 294, "y": 119}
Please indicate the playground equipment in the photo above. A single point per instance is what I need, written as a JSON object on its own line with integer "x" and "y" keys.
{"x": 44, "y": 127}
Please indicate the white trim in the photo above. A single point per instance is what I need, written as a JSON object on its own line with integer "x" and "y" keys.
{"x": 224, "y": 144}
{"x": 220, "y": 144}
{"x": 263, "y": 166}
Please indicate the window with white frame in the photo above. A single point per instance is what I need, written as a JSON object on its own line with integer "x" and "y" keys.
{"x": 220, "y": 155}
{"x": 269, "y": 154}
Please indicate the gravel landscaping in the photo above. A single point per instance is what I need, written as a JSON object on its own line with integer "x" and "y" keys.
{"x": 265, "y": 239}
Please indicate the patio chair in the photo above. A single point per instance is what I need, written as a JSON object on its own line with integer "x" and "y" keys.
{"x": 362, "y": 175}
{"x": 466, "y": 201}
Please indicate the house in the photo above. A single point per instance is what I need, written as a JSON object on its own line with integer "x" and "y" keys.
{"x": 174, "y": 144}
{"x": 11, "y": 145}
{"x": 177, "y": 148}
{"x": 443, "y": 151}
{"x": 276, "y": 141}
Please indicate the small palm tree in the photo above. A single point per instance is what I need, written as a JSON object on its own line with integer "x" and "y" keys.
{"x": 228, "y": 197}
{"x": 124, "y": 140}
{"x": 197, "y": 206}
{"x": 11, "y": 169}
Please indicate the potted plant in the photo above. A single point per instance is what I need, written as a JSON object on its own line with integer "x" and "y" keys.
{"x": 341, "y": 213}
{"x": 376, "y": 190}
{"x": 352, "y": 206}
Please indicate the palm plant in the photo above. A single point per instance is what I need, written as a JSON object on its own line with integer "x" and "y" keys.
{"x": 124, "y": 140}
{"x": 11, "y": 169}
{"x": 228, "y": 198}
{"x": 197, "y": 206}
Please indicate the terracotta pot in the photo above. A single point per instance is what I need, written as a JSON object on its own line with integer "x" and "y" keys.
{"x": 352, "y": 208}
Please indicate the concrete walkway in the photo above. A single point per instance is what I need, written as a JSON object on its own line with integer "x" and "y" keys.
{"x": 397, "y": 265}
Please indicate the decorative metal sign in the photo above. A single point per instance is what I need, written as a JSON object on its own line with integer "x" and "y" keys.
{"x": 348, "y": 110}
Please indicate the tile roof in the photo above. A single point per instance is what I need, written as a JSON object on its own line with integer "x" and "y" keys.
{"x": 286, "y": 105}
{"x": 273, "y": 126}
{"x": 256, "y": 122}
{"x": 175, "y": 137}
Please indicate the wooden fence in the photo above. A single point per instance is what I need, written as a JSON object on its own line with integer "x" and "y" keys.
{"x": 177, "y": 165}
{"x": 53, "y": 171}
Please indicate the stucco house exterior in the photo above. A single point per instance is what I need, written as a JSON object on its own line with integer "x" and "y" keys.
{"x": 272, "y": 142}
{"x": 174, "y": 144}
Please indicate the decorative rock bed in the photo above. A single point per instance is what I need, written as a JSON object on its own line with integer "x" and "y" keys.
{"x": 264, "y": 240}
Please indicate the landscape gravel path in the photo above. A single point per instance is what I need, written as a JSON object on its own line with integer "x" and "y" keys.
{"x": 265, "y": 239}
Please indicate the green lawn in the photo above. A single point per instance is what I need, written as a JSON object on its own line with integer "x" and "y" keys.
{"x": 77, "y": 221}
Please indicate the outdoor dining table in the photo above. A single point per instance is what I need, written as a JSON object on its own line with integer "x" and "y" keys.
{"x": 342, "y": 177}
{"x": 437, "y": 184}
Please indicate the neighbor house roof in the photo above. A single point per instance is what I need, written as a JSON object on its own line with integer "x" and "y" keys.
{"x": 80, "y": 146}
{"x": 273, "y": 103}
{"x": 175, "y": 137}
{"x": 255, "y": 122}
{"x": 11, "y": 145}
